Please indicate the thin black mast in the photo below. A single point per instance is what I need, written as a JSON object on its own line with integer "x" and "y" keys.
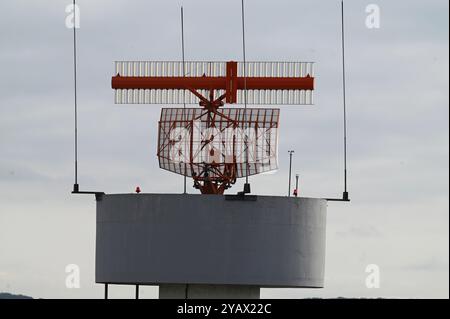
{"x": 345, "y": 194}
{"x": 75, "y": 185}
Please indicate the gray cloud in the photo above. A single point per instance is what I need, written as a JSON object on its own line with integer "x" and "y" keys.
{"x": 398, "y": 131}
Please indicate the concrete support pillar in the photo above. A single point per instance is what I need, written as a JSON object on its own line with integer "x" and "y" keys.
{"x": 195, "y": 291}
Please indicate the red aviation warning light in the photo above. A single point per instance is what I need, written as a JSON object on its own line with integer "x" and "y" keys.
{"x": 214, "y": 145}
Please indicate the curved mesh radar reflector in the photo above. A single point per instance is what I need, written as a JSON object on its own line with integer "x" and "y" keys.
{"x": 193, "y": 141}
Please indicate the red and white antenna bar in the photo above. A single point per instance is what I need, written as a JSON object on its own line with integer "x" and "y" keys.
{"x": 163, "y": 82}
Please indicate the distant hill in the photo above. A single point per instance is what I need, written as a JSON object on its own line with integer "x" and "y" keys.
{"x": 6, "y": 295}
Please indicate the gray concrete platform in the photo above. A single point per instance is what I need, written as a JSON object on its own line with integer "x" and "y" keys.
{"x": 161, "y": 239}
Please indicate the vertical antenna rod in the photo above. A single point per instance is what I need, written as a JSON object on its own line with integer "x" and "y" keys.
{"x": 290, "y": 172}
{"x": 247, "y": 185}
{"x": 75, "y": 185}
{"x": 345, "y": 194}
{"x": 184, "y": 91}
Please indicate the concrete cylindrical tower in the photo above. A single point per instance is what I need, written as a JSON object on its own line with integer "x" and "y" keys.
{"x": 210, "y": 246}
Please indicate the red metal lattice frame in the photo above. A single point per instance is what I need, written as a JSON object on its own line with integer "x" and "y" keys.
{"x": 213, "y": 176}
{"x": 216, "y": 176}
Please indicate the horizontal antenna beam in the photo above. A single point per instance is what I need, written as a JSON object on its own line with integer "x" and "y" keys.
{"x": 214, "y": 83}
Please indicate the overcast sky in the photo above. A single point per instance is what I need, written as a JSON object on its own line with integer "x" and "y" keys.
{"x": 398, "y": 132}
